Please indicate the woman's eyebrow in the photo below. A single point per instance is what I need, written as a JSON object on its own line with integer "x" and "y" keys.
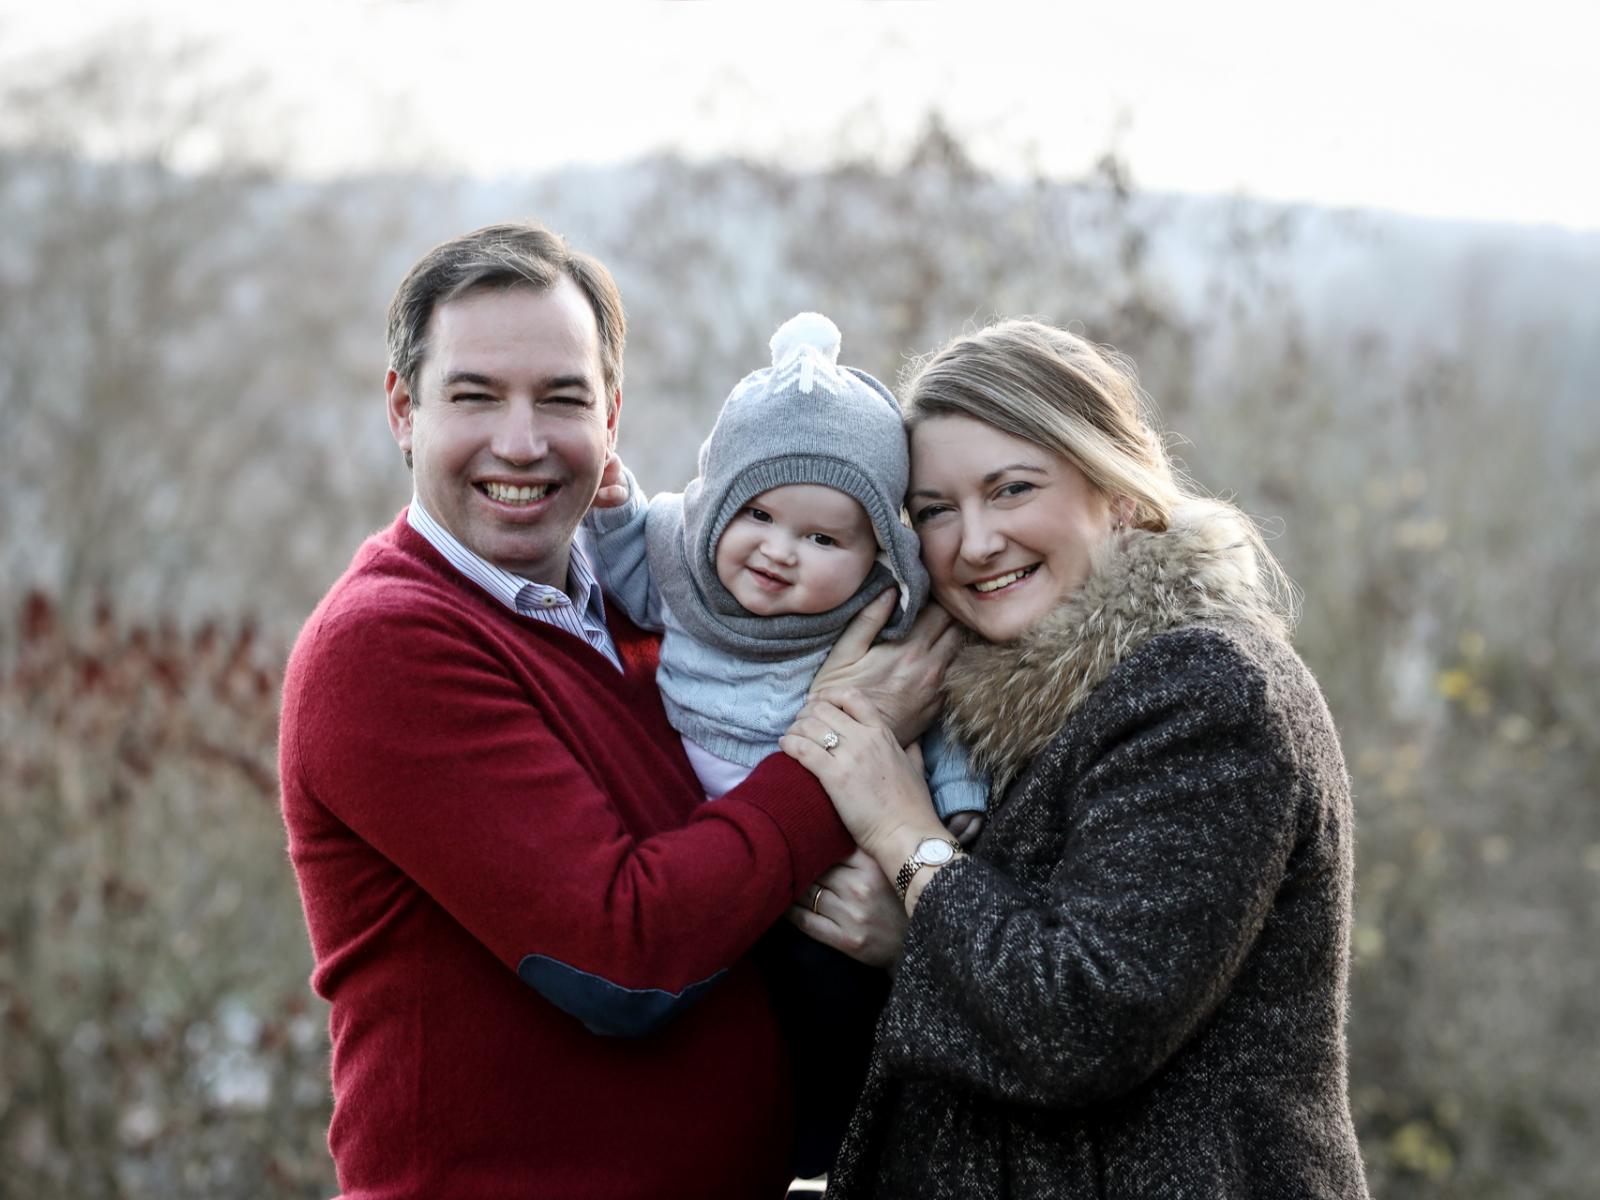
{"x": 1032, "y": 468}
{"x": 1019, "y": 466}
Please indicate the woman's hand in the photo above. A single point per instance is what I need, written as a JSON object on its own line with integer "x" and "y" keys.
{"x": 854, "y": 910}
{"x": 900, "y": 680}
{"x": 877, "y": 788}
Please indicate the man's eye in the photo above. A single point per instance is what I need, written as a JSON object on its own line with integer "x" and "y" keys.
{"x": 582, "y": 401}
{"x": 466, "y": 397}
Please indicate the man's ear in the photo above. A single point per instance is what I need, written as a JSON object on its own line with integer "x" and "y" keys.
{"x": 399, "y": 405}
{"x": 613, "y": 419}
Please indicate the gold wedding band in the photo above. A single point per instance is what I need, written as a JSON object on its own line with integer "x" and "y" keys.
{"x": 816, "y": 899}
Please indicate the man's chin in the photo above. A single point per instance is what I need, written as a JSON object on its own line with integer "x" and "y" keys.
{"x": 525, "y": 557}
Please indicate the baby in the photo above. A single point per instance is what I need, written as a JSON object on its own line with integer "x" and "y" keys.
{"x": 791, "y": 528}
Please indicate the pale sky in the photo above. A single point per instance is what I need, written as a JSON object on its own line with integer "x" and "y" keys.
{"x": 1465, "y": 109}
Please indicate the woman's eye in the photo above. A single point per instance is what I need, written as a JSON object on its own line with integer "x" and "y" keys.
{"x": 1015, "y": 489}
{"x": 927, "y": 513}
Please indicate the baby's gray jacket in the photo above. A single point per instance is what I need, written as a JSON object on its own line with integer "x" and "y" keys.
{"x": 736, "y": 708}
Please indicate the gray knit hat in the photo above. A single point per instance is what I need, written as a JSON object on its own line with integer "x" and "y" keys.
{"x": 806, "y": 419}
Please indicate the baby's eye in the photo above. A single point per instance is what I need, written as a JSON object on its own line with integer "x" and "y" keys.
{"x": 756, "y": 514}
{"x": 823, "y": 539}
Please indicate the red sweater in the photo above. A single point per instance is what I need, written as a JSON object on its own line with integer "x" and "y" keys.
{"x": 499, "y": 841}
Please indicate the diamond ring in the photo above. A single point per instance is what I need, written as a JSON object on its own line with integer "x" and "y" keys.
{"x": 830, "y": 739}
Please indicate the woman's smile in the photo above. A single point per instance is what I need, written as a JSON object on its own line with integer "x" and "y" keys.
{"x": 997, "y": 585}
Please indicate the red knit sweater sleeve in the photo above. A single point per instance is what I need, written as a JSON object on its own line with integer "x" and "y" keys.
{"x": 499, "y": 794}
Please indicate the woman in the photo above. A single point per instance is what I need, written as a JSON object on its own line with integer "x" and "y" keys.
{"x": 1135, "y": 986}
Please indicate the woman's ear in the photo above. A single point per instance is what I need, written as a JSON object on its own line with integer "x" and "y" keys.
{"x": 1123, "y": 509}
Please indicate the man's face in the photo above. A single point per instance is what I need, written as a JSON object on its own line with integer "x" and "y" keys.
{"x": 512, "y": 426}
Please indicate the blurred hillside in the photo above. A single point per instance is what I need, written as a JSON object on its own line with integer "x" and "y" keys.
{"x": 193, "y": 364}
{"x": 190, "y": 372}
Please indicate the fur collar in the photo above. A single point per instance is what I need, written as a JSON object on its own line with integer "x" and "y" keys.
{"x": 1005, "y": 701}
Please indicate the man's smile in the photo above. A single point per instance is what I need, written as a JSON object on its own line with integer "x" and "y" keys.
{"x": 516, "y": 495}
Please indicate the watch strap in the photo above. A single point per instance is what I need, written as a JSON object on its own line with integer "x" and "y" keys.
{"x": 915, "y": 863}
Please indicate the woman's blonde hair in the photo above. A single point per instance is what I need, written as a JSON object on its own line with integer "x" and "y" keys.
{"x": 1063, "y": 393}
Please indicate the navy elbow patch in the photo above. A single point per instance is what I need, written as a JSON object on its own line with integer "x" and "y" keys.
{"x": 607, "y": 1008}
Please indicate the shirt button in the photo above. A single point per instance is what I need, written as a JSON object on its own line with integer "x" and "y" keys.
{"x": 548, "y": 600}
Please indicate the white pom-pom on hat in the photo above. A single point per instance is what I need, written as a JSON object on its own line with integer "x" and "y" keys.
{"x": 807, "y": 331}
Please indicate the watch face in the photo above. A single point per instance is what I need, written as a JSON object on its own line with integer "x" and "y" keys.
{"x": 933, "y": 851}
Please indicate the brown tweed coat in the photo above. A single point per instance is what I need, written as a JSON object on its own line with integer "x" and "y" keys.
{"x": 1136, "y": 985}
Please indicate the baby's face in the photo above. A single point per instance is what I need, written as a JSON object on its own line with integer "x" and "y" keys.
{"x": 801, "y": 548}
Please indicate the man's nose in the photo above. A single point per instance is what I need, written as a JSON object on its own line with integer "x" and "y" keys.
{"x": 518, "y": 436}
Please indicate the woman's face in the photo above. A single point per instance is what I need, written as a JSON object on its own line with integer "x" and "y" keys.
{"x": 1006, "y": 526}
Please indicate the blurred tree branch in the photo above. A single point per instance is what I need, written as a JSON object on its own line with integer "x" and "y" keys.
{"x": 168, "y": 328}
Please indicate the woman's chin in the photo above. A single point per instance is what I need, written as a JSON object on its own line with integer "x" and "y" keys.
{"x": 997, "y": 621}
{"x": 1001, "y": 631}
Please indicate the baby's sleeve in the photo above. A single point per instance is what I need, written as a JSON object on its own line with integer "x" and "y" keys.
{"x": 956, "y": 785}
{"x": 621, "y": 563}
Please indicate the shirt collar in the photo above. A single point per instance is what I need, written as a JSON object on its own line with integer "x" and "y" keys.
{"x": 516, "y": 593}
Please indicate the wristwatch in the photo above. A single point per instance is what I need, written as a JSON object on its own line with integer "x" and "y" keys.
{"x": 930, "y": 852}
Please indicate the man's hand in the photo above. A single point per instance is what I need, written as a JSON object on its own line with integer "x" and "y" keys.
{"x": 900, "y": 680}
{"x": 613, "y": 489}
{"x": 856, "y": 912}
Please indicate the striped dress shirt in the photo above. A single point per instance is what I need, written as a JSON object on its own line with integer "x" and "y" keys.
{"x": 583, "y": 617}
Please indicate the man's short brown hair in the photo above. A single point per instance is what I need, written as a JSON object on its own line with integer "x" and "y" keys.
{"x": 514, "y": 255}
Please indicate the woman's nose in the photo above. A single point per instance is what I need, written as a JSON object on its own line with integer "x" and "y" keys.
{"x": 981, "y": 539}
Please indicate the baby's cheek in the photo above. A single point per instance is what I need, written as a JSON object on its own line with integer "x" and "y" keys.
{"x": 849, "y": 575}
{"x": 726, "y": 559}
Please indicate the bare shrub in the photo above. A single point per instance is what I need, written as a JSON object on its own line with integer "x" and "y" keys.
{"x": 159, "y": 1036}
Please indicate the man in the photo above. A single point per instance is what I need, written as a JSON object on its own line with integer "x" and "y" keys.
{"x": 530, "y": 928}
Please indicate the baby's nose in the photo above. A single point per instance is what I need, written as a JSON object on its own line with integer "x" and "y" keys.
{"x": 778, "y": 547}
